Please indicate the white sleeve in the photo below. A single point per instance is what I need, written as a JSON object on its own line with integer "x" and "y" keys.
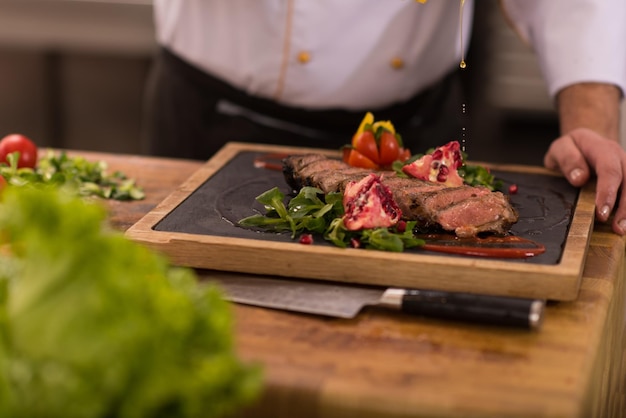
{"x": 575, "y": 40}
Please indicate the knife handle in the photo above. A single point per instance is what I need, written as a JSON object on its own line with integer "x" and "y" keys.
{"x": 467, "y": 307}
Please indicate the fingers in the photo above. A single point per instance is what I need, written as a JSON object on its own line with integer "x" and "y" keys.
{"x": 619, "y": 220}
{"x": 582, "y": 151}
{"x": 609, "y": 163}
{"x": 565, "y": 156}
{"x": 611, "y": 176}
{"x": 609, "y": 173}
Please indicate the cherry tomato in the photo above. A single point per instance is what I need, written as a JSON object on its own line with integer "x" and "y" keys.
{"x": 365, "y": 143}
{"x": 389, "y": 148}
{"x": 405, "y": 154}
{"x": 356, "y": 159}
{"x": 26, "y": 148}
{"x": 3, "y": 183}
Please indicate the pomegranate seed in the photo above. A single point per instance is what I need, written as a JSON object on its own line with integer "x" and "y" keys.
{"x": 443, "y": 174}
{"x": 513, "y": 189}
{"x": 458, "y": 160}
{"x": 401, "y": 226}
{"x": 306, "y": 239}
{"x": 355, "y": 243}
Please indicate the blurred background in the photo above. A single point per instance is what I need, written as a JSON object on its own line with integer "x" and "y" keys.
{"x": 72, "y": 76}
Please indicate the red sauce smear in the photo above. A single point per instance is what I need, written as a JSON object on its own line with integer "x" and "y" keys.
{"x": 270, "y": 161}
{"x": 490, "y": 247}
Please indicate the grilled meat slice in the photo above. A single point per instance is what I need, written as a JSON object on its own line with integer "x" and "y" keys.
{"x": 425, "y": 202}
{"x": 485, "y": 213}
{"x": 293, "y": 165}
{"x": 464, "y": 210}
{"x": 319, "y": 171}
{"x": 338, "y": 179}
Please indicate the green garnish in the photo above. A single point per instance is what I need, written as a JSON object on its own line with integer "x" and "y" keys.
{"x": 312, "y": 211}
{"x": 85, "y": 178}
{"x": 477, "y": 175}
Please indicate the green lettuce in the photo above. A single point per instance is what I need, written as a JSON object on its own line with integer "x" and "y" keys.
{"x": 95, "y": 325}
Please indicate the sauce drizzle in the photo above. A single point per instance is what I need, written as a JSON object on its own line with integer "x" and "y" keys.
{"x": 270, "y": 161}
{"x": 489, "y": 247}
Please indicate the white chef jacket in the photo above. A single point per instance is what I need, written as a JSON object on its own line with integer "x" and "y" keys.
{"x": 360, "y": 54}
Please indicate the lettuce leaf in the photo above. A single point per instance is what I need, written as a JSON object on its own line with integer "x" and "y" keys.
{"x": 95, "y": 325}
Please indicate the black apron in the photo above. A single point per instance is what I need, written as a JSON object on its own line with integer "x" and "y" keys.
{"x": 190, "y": 114}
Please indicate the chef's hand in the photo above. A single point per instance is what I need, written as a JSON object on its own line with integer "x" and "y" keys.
{"x": 589, "y": 145}
{"x": 582, "y": 153}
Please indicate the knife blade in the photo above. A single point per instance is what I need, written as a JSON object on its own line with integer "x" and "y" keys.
{"x": 346, "y": 301}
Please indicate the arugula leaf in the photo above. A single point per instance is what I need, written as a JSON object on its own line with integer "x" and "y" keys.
{"x": 477, "y": 175}
{"x": 381, "y": 238}
{"x": 305, "y": 212}
{"x": 337, "y": 233}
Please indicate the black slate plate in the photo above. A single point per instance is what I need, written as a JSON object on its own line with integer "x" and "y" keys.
{"x": 545, "y": 204}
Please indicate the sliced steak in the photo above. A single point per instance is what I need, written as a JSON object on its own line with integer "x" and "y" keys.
{"x": 325, "y": 173}
{"x": 485, "y": 213}
{"x": 465, "y": 210}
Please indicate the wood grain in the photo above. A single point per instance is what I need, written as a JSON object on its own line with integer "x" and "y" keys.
{"x": 386, "y": 364}
{"x": 462, "y": 274}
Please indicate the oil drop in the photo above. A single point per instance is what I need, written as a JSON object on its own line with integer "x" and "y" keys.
{"x": 461, "y": 7}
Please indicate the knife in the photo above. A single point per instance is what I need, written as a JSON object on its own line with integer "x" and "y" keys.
{"x": 346, "y": 301}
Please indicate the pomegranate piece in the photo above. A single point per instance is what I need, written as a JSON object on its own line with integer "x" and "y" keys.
{"x": 440, "y": 166}
{"x": 368, "y": 203}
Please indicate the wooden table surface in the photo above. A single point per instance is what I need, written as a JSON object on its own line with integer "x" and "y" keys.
{"x": 386, "y": 364}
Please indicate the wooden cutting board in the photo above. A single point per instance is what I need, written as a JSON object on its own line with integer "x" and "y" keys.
{"x": 196, "y": 226}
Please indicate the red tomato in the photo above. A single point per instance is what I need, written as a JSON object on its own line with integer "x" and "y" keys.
{"x": 356, "y": 159}
{"x": 405, "y": 154}
{"x": 365, "y": 143}
{"x": 389, "y": 149}
{"x": 26, "y": 148}
{"x": 3, "y": 183}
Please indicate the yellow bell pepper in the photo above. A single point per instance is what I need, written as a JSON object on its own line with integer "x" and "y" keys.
{"x": 369, "y": 120}
{"x": 385, "y": 124}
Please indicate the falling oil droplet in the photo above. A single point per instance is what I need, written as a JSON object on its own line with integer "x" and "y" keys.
{"x": 463, "y": 129}
{"x": 462, "y": 64}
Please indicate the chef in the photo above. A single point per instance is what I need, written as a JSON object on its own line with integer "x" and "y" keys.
{"x": 303, "y": 72}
